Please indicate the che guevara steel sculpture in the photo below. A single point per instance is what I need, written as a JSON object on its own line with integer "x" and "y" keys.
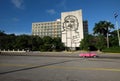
{"x": 70, "y": 29}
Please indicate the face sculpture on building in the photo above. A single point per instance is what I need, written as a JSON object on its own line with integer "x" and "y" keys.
{"x": 70, "y": 27}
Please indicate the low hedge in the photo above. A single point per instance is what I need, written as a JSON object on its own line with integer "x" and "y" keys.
{"x": 112, "y": 50}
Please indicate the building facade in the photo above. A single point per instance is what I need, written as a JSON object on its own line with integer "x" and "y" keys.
{"x": 52, "y": 29}
{"x": 85, "y": 27}
{"x": 71, "y": 28}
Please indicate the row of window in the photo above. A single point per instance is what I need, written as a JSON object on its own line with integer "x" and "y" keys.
{"x": 46, "y": 27}
{"x": 47, "y": 24}
{"x": 47, "y": 31}
{"x": 46, "y": 34}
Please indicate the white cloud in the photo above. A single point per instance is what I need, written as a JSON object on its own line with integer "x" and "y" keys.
{"x": 51, "y": 11}
{"x": 18, "y": 3}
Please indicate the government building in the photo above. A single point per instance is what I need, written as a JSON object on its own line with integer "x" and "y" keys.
{"x": 52, "y": 28}
{"x": 70, "y": 27}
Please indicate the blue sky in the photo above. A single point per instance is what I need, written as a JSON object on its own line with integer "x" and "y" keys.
{"x": 16, "y": 16}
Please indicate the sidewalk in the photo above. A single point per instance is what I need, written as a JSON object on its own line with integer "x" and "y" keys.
{"x": 40, "y": 53}
{"x": 58, "y": 54}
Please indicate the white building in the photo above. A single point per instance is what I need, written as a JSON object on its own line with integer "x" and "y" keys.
{"x": 52, "y": 29}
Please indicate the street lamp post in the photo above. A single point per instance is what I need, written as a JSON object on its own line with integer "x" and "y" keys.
{"x": 107, "y": 40}
{"x": 107, "y": 35}
{"x": 116, "y": 15}
{"x": 118, "y": 32}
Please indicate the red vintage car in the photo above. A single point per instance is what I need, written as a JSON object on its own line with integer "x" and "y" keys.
{"x": 89, "y": 54}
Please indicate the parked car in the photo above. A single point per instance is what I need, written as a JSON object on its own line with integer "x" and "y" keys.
{"x": 89, "y": 55}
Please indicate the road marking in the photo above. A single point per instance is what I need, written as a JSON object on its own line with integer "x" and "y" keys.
{"x": 16, "y": 65}
{"x": 83, "y": 68}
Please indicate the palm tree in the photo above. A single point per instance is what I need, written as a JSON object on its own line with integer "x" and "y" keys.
{"x": 103, "y": 28}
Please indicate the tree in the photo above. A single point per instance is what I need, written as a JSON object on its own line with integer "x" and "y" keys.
{"x": 21, "y": 42}
{"x": 103, "y": 28}
{"x": 34, "y": 43}
{"x": 26, "y": 42}
{"x": 88, "y": 43}
{"x": 47, "y": 44}
{"x": 57, "y": 44}
{"x": 2, "y": 33}
{"x": 100, "y": 42}
{"x": 114, "y": 39}
{"x": 6, "y": 40}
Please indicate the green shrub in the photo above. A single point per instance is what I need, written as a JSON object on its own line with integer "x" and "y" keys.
{"x": 112, "y": 50}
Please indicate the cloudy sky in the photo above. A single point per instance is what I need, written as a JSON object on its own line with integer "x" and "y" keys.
{"x": 16, "y": 16}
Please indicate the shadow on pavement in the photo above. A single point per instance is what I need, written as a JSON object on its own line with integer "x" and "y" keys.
{"x": 34, "y": 67}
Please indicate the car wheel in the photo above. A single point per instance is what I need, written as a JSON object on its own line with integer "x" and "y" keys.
{"x": 83, "y": 56}
{"x": 94, "y": 56}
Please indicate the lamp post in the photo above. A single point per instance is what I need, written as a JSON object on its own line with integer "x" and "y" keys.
{"x": 118, "y": 32}
{"x": 107, "y": 34}
{"x": 107, "y": 39}
{"x": 116, "y": 15}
